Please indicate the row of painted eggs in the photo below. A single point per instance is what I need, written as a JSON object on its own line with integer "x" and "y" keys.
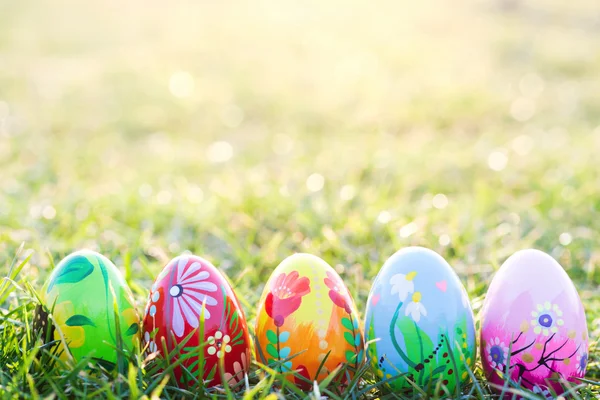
{"x": 418, "y": 327}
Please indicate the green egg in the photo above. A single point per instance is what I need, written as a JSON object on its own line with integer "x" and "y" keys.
{"x": 78, "y": 310}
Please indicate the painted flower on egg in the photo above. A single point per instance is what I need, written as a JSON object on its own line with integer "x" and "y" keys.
{"x": 497, "y": 353}
{"x": 285, "y": 296}
{"x": 337, "y": 292}
{"x": 546, "y": 319}
{"x": 188, "y": 291}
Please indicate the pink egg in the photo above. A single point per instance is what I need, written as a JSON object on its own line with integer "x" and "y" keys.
{"x": 534, "y": 322}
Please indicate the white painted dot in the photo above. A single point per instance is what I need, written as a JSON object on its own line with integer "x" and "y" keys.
{"x": 152, "y": 310}
{"x": 155, "y": 296}
{"x": 323, "y": 344}
{"x": 315, "y": 182}
{"x": 439, "y": 201}
{"x": 147, "y": 336}
{"x": 175, "y": 291}
{"x": 497, "y": 160}
{"x": 181, "y": 84}
{"x": 565, "y": 238}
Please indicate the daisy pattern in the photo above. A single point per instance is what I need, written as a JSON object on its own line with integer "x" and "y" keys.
{"x": 415, "y": 308}
{"x": 497, "y": 353}
{"x": 582, "y": 360}
{"x": 546, "y": 319}
{"x": 403, "y": 284}
{"x": 219, "y": 344}
{"x": 189, "y": 291}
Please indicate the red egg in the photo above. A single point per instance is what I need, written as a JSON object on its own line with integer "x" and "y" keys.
{"x": 186, "y": 285}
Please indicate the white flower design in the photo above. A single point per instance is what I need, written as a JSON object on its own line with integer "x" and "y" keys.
{"x": 582, "y": 360}
{"x": 239, "y": 370}
{"x": 497, "y": 353}
{"x": 415, "y": 308}
{"x": 219, "y": 344}
{"x": 546, "y": 319}
{"x": 188, "y": 293}
{"x": 403, "y": 284}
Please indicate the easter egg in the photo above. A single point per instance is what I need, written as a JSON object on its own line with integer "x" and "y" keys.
{"x": 306, "y": 317}
{"x": 190, "y": 298}
{"x": 419, "y": 323}
{"x": 533, "y": 325}
{"x": 80, "y": 294}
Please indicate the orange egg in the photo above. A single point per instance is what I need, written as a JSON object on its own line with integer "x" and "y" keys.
{"x": 307, "y": 315}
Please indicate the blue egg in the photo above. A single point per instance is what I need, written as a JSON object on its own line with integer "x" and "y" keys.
{"x": 419, "y": 323}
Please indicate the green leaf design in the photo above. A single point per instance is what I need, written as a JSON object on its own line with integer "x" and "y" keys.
{"x": 77, "y": 269}
{"x": 272, "y": 351}
{"x": 347, "y": 323}
{"x": 132, "y": 330}
{"x": 79, "y": 320}
{"x": 349, "y": 338}
{"x": 350, "y": 356}
{"x": 271, "y": 336}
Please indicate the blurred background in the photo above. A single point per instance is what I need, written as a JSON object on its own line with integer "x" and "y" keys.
{"x": 245, "y": 131}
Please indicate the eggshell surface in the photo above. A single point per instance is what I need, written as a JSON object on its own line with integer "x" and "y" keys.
{"x": 419, "y": 322}
{"x": 533, "y": 320}
{"x": 173, "y": 314}
{"x": 306, "y": 312}
{"x": 78, "y": 295}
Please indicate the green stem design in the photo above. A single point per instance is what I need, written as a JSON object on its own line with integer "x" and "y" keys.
{"x": 421, "y": 349}
{"x": 278, "y": 351}
{"x": 395, "y": 341}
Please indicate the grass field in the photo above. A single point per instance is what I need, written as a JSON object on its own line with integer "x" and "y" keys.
{"x": 247, "y": 131}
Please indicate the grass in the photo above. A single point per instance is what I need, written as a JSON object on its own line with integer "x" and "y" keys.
{"x": 247, "y": 132}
